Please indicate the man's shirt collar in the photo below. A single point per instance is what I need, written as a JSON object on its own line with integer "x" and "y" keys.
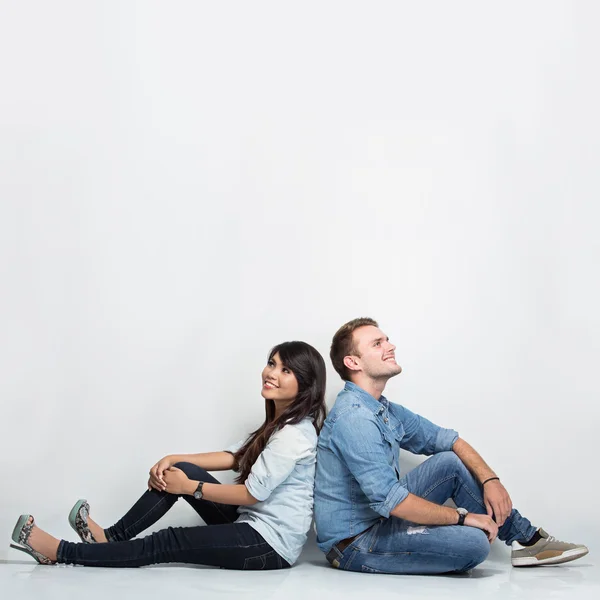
{"x": 366, "y": 398}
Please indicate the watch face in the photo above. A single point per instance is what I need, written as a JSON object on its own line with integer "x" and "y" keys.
{"x": 198, "y": 492}
{"x": 462, "y": 511}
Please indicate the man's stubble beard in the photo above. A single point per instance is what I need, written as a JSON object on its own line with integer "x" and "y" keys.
{"x": 384, "y": 377}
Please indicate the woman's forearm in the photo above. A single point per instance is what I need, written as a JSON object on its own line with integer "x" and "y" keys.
{"x": 209, "y": 461}
{"x": 223, "y": 493}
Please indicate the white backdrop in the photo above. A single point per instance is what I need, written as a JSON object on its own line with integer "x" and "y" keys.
{"x": 185, "y": 184}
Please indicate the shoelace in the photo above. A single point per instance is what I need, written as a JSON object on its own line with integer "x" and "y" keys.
{"x": 551, "y": 538}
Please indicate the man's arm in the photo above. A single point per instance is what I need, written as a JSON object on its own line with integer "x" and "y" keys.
{"x": 366, "y": 454}
{"x": 496, "y": 498}
{"x": 418, "y": 510}
{"x": 421, "y": 511}
{"x": 472, "y": 460}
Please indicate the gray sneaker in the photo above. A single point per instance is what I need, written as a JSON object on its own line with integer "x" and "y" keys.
{"x": 547, "y": 551}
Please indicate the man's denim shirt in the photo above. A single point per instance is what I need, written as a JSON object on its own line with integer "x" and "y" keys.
{"x": 358, "y": 472}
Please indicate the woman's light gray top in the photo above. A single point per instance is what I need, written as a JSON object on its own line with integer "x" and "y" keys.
{"x": 282, "y": 480}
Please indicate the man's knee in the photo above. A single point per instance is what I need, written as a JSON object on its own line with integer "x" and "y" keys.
{"x": 474, "y": 549}
{"x": 449, "y": 459}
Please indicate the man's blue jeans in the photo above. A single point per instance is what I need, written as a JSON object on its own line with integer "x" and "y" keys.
{"x": 397, "y": 546}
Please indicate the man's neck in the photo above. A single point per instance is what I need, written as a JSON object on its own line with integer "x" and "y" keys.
{"x": 374, "y": 387}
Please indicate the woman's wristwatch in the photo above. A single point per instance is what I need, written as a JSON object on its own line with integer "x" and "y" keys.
{"x": 462, "y": 515}
{"x": 198, "y": 493}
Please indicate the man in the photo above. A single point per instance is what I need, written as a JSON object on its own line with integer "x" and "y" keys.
{"x": 370, "y": 518}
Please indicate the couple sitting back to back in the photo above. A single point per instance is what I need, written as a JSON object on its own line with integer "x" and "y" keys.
{"x": 369, "y": 516}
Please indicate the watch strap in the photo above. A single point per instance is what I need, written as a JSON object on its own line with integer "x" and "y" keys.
{"x": 198, "y": 493}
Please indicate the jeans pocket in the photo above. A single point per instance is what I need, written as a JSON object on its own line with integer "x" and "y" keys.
{"x": 367, "y": 540}
{"x": 259, "y": 563}
{"x": 367, "y": 569}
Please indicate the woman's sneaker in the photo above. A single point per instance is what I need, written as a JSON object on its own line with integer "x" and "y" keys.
{"x": 546, "y": 551}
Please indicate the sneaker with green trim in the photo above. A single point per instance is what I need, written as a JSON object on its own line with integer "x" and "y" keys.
{"x": 546, "y": 551}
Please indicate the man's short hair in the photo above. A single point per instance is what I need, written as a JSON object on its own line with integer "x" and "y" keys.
{"x": 342, "y": 344}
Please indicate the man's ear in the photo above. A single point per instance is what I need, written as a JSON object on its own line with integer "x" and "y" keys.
{"x": 351, "y": 363}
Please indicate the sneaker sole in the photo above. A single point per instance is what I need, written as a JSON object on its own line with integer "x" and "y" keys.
{"x": 567, "y": 556}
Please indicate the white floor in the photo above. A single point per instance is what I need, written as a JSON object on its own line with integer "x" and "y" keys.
{"x": 311, "y": 578}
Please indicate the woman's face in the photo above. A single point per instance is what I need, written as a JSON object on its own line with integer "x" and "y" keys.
{"x": 278, "y": 382}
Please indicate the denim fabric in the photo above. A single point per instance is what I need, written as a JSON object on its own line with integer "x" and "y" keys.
{"x": 398, "y": 546}
{"x": 358, "y": 471}
{"x": 283, "y": 479}
{"x": 221, "y": 542}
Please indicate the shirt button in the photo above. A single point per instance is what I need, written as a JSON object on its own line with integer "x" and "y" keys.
{"x": 385, "y": 419}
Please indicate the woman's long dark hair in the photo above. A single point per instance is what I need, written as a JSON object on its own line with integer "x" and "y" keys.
{"x": 308, "y": 367}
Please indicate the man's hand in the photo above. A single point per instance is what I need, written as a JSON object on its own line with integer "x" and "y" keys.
{"x": 156, "y": 480}
{"x": 483, "y": 522}
{"x": 497, "y": 501}
{"x": 496, "y": 498}
{"x": 176, "y": 481}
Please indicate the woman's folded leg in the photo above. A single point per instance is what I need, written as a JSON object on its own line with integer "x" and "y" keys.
{"x": 153, "y": 505}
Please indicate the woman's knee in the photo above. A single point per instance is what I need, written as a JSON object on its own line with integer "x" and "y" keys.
{"x": 191, "y": 470}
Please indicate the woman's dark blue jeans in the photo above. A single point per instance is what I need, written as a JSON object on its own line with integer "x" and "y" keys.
{"x": 220, "y": 543}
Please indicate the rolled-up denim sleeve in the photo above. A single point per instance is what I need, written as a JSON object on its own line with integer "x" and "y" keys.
{"x": 421, "y": 436}
{"x": 358, "y": 440}
{"x": 275, "y": 463}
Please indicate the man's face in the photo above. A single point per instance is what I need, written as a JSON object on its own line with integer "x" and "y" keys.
{"x": 376, "y": 355}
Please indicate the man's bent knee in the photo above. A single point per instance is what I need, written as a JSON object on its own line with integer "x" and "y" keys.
{"x": 474, "y": 548}
{"x": 448, "y": 458}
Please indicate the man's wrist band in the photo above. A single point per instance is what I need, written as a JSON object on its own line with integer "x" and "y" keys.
{"x": 491, "y": 479}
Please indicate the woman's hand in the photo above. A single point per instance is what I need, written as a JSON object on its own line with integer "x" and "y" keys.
{"x": 176, "y": 481}
{"x": 156, "y": 480}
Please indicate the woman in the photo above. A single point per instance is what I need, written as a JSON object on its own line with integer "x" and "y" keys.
{"x": 258, "y": 523}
